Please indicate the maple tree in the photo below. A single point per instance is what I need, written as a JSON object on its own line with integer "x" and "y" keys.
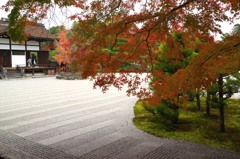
{"x": 220, "y": 60}
{"x": 102, "y": 24}
{"x": 65, "y": 51}
{"x": 64, "y": 47}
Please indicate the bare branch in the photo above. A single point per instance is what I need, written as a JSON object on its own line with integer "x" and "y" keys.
{"x": 182, "y": 5}
{"x": 113, "y": 9}
{"x": 151, "y": 16}
{"x": 149, "y": 49}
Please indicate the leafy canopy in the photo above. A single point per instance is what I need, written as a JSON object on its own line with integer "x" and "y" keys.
{"x": 101, "y": 23}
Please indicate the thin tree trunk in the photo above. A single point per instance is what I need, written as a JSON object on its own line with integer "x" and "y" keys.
{"x": 221, "y": 103}
{"x": 198, "y": 100}
{"x": 208, "y": 104}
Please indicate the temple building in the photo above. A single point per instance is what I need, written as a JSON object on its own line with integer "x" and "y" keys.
{"x": 13, "y": 54}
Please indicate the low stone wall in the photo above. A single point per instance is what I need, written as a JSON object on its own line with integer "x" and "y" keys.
{"x": 69, "y": 76}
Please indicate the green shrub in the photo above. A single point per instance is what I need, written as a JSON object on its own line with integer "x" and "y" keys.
{"x": 168, "y": 110}
{"x": 165, "y": 109}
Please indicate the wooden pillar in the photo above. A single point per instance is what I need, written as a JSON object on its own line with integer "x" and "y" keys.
{"x": 10, "y": 48}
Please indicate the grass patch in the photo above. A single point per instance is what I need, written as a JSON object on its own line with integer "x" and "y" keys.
{"x": 194, "y": 125}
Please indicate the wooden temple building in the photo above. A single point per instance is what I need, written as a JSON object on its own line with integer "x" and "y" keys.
{"x": 14, "y": 56}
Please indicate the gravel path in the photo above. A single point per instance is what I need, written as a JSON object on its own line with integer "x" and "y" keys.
{"x": 60, "y": 119}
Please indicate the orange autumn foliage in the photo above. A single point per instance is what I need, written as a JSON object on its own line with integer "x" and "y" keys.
{"x": 101, "y": 24}
{"x": 214, "y": 59}
{"x": 64, "y": 48}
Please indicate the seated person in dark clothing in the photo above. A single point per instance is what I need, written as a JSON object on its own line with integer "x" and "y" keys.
{"x": 33, "y": 60}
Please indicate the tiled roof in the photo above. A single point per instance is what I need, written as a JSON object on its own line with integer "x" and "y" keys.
{"x": 37, "y": 32}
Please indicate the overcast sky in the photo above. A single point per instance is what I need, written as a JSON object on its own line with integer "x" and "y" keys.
{"x": 60, "y": 16}
{"x": 61, "y": 19}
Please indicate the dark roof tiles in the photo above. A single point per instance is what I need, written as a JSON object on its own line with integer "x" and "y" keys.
{"x": 32, "y": 31}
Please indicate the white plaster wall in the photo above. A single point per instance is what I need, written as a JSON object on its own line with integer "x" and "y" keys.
{"x": 18, "y": 47}
{"x": 4, "y": 47}
{"x": 33, "y": 48}
{"x": 18, "y": 60}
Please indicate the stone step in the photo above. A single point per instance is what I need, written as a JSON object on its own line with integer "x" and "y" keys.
{"x": 36, "y": 75}
{"x": 14, "y": 74}
{"x": 1, "y": 76}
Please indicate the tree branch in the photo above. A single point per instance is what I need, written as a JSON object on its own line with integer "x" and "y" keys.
{"x": 113, "y": 9}
{"x": 182, "y": 5}
{"x": 157, "y": 14}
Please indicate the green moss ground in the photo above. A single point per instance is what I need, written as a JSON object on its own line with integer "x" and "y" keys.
{"x": 194, "y": 125}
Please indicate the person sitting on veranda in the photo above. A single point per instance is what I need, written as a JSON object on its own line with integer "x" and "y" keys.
{"x": 29, "y": 62}
{"x": 33, "y": 60}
